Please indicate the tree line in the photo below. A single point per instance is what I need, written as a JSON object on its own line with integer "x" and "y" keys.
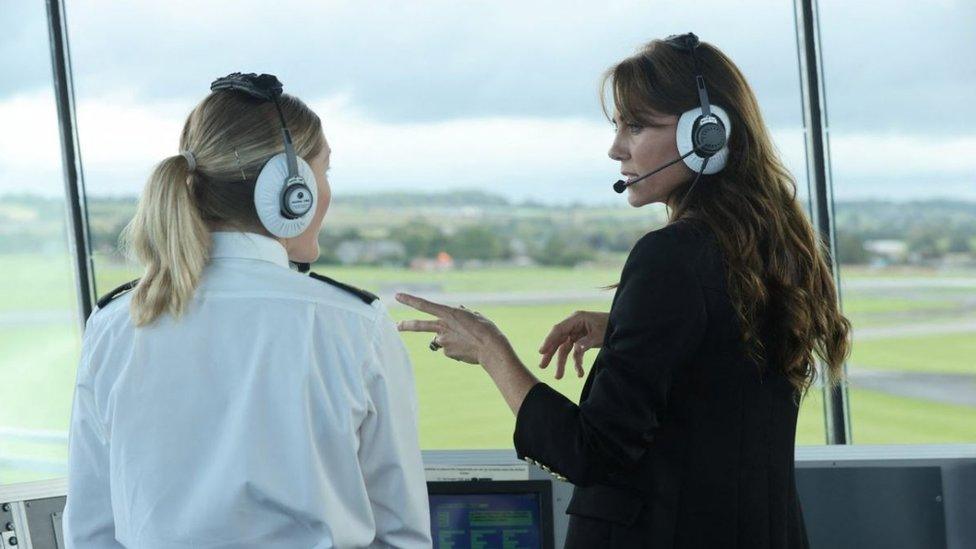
{"x": 471, "y": 226}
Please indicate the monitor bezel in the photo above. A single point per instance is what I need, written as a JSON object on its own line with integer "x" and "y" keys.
{"x": 475, "y": 487}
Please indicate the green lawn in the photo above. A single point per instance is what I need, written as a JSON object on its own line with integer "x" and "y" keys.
{"x": 36, "y": 282}
{"x": 38, "y": 370}
{"x": 944, "y": 353}
{"x": 383, "y": 279}
{"x": 460, "y": 407}
{"x": 879, "y": 418}
{"x": 46, "y": 283}
{"x": 859, "y": 304}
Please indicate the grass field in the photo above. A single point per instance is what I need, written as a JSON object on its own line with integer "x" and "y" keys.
{"x": 948, "y": 353}
{"x": 460, "y": 407}
{"x": 36, "y": 283}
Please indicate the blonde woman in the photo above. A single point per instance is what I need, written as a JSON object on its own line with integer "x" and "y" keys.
{"x": 223, "y": 399}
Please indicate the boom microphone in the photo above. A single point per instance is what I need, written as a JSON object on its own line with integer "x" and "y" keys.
{"x": 621, "y": 185}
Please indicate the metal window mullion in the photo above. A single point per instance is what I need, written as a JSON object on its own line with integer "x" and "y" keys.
{"x": 816, "y": 136}
{"x": 75, "y": 206}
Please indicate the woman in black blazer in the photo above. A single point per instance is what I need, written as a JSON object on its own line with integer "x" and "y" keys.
{"x": 684, "y": 433}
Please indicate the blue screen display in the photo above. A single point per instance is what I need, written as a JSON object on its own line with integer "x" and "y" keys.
{"x": 486, "y": 521}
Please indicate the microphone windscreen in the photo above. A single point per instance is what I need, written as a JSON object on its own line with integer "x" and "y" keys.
{"x": 620, "y": 186}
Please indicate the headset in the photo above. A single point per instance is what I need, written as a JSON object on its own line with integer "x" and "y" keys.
{"x": 285, "y": 193}
{"x": 702, "y": 132}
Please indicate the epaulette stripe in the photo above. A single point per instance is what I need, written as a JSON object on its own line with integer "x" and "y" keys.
{"x": 107, "y": 298}
{"x": 365, "y": 296}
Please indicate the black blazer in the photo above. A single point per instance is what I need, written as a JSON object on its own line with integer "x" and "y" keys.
{"x": 678, "y": 440}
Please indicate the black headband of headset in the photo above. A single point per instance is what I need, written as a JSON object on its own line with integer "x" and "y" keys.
{"x": 265, "y": 87}
{"x": 688, "y": 43}
{"x": 685, "y": 42}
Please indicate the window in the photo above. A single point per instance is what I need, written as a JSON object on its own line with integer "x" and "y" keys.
{"x": 506, "y": 106}
{"x": 39, "y": 320}
{"x": 905, "y": 215}
{"x": 469, "y": 159}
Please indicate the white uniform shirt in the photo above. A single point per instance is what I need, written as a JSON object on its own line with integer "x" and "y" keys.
{"x": 279, "y": 412}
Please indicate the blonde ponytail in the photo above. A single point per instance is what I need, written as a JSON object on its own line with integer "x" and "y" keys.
{"x": 228, "y": 138}
{"x": 170, "y": 239}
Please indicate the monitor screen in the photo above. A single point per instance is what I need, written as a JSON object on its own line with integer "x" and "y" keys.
{"x": 489, "y": 514}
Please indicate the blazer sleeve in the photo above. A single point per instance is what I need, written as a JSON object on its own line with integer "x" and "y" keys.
{"x": 656, "y": 325}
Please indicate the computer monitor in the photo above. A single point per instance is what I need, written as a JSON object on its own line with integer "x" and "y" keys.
{"x": 503, "y": 514}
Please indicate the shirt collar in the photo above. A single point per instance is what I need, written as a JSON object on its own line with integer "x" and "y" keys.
{"x": 248, "y": 246}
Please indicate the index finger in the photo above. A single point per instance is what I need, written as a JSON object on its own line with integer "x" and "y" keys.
{"x": 423, "y": 305}
{"x": 433, "y": 326}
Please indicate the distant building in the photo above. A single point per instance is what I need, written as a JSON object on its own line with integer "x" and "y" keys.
{"x": 520, "y": 253}
{"x": 957, "y": 260}
{"x": 370, "y": 252}
{"x": 886, "y": 252}
{"x": 443, "y": 262}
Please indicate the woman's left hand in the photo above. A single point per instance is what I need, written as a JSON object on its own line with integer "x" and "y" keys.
{"x": 464, "y": 335}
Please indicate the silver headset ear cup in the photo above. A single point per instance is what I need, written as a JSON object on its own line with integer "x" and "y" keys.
{"x": 267, "y": 197}
{"x": 685, "y": 145}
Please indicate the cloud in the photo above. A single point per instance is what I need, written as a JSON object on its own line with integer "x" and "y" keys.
{"x": 402, "y": 62}
{"x": 445, "y": 60}
{"x": 120, "y": 141}
{"x": 555, "y": 160}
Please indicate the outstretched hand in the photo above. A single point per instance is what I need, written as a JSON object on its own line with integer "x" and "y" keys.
{"x": 464, "y": 335}
{"x": 581, "y": 331}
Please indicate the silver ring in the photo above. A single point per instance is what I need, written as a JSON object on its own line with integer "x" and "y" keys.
{"x": 434, "y": 345}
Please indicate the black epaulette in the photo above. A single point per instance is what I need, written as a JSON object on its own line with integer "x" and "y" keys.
{"x": 367, "y": 297}
{"x": 107, "y": 298}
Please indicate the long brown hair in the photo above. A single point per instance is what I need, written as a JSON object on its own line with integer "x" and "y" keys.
{"x": 230, "y": 136}
{"x": 779, "y": 279}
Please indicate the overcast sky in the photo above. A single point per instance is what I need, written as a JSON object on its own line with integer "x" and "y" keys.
{"x": 498, "y": 95}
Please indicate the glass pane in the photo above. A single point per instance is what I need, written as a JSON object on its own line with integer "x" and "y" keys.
{"x": 469, "y": 170}
{"x": 906, "y": 215}
{"x": 39, "y": 326}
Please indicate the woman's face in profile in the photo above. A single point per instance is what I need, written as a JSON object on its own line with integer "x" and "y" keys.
{"x": 643, "y": 147}
{"x": 304, "y": 248}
